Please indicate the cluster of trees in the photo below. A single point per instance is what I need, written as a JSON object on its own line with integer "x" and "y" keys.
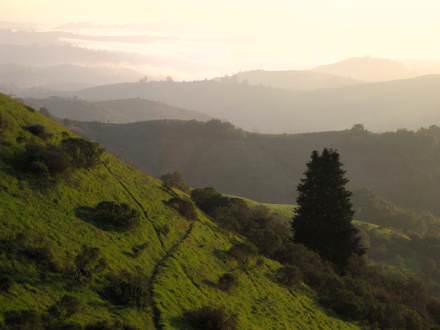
{"x": 401, "y": 166}
{"x": 48, "y": 162}
{"x": 325, "y": 251}
{"x": 370, "y": 207}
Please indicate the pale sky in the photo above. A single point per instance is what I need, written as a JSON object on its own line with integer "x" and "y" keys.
{"x": 229, "y": 35}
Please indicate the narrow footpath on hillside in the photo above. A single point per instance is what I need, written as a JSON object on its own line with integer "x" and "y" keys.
{"x": 162, "y": 261}
{"x": 156, "y": 271}
{"x": 139, "y": 204}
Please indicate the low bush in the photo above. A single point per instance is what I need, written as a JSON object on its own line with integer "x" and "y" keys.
{"x": 38, "y": 130}
{"x": 116, "y": 216}
{"x": 345, "y": 303}
{"x": 87, "y": 264}
{"x": 64, "y": 308}
{"x": 184, "y": 207}
{"x": 5, "y": 284}
{"x": 227, "y": 282}
{"x": 22, "y": 246}
{"x": 43, "y": 257}
{"x": 208, "y": 199}
{"x": 174, "y": 180}
{"x": 82, "y": 153}
{"x": 210, "y": 318}
{"x": 289, "y": 276}
{"x": 128, "y": 289}
{"x": 42, "y": 161}
{"x": 23, "y": 320}
{"x": 243, "y": 252}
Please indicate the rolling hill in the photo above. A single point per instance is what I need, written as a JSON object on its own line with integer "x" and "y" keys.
{"x": 114, "y": 111}
{"x": 291, "y": 79}
{"x": 384, "y": 106}
{"x": 368, "y": 69}
{"x": 60, "y": 262}
{"x": 267, "y": 167}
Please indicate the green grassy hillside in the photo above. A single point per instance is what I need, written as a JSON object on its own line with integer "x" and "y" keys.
{"x": 42, "y": 233}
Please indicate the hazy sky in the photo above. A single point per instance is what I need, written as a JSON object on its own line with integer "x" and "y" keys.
{"x": 229, "y": 35}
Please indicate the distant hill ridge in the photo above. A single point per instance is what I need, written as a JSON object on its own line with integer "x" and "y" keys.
{"x": 382, "y": 106}
{"x": 113, "y": 111}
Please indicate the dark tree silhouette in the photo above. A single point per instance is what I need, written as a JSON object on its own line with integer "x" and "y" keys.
{"x": 323, "y": 220}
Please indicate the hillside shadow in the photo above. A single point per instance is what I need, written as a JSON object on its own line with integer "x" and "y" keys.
{"x": 87, "y": 214}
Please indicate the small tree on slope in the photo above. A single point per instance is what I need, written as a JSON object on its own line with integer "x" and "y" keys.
{"x": 323, "y": 219}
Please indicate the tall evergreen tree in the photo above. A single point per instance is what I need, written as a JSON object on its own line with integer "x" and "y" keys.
{"x": 323, "y": 219}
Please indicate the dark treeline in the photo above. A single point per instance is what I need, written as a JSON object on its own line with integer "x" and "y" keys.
{"x": 400, "y": 166}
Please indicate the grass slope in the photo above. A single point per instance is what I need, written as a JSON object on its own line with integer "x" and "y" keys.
{"x": 181, "y": 265}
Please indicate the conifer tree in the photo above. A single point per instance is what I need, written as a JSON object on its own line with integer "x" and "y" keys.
{"x": 323, "y": 219}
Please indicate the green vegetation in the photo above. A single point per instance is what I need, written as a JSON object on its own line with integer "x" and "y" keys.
{"x": 399, "y": 166}
{"x": 174, "y": 180}
{"x": 61, "y": 271}
{"x": 349, "y": 285}
{"x": 322, "y": 221}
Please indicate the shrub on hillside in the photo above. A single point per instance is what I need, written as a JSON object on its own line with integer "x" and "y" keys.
{"x": 345, "y": 303}
{"x": 64, "y": 308}
{"x": 128, "y": 289}
{"x": 5, "y": 284}
{"x": 184, "y": 207}
{"x": 43, "y": 161}
{"x": 22, "y": 246}
{"x": 42, "y": 256}
{"x": 174, "y": 180}
{"x": 243, "y": 252}
{"x": 227, "y": 282}
{"x": 315, "y": 271}
{"x": 82, "y": 153}
{"x": 87, "y": 264}
{"x": 208, "y": 199}
{"x": 289, "y": 275}
{"x": 23, "y": 320}
{"x": 210, "y": 318}
{"x": 38, "y": 130}
{"x": 116, "y": 216}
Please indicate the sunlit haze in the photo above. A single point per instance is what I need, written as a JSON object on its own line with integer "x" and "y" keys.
{"x": 194, "y": 39}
